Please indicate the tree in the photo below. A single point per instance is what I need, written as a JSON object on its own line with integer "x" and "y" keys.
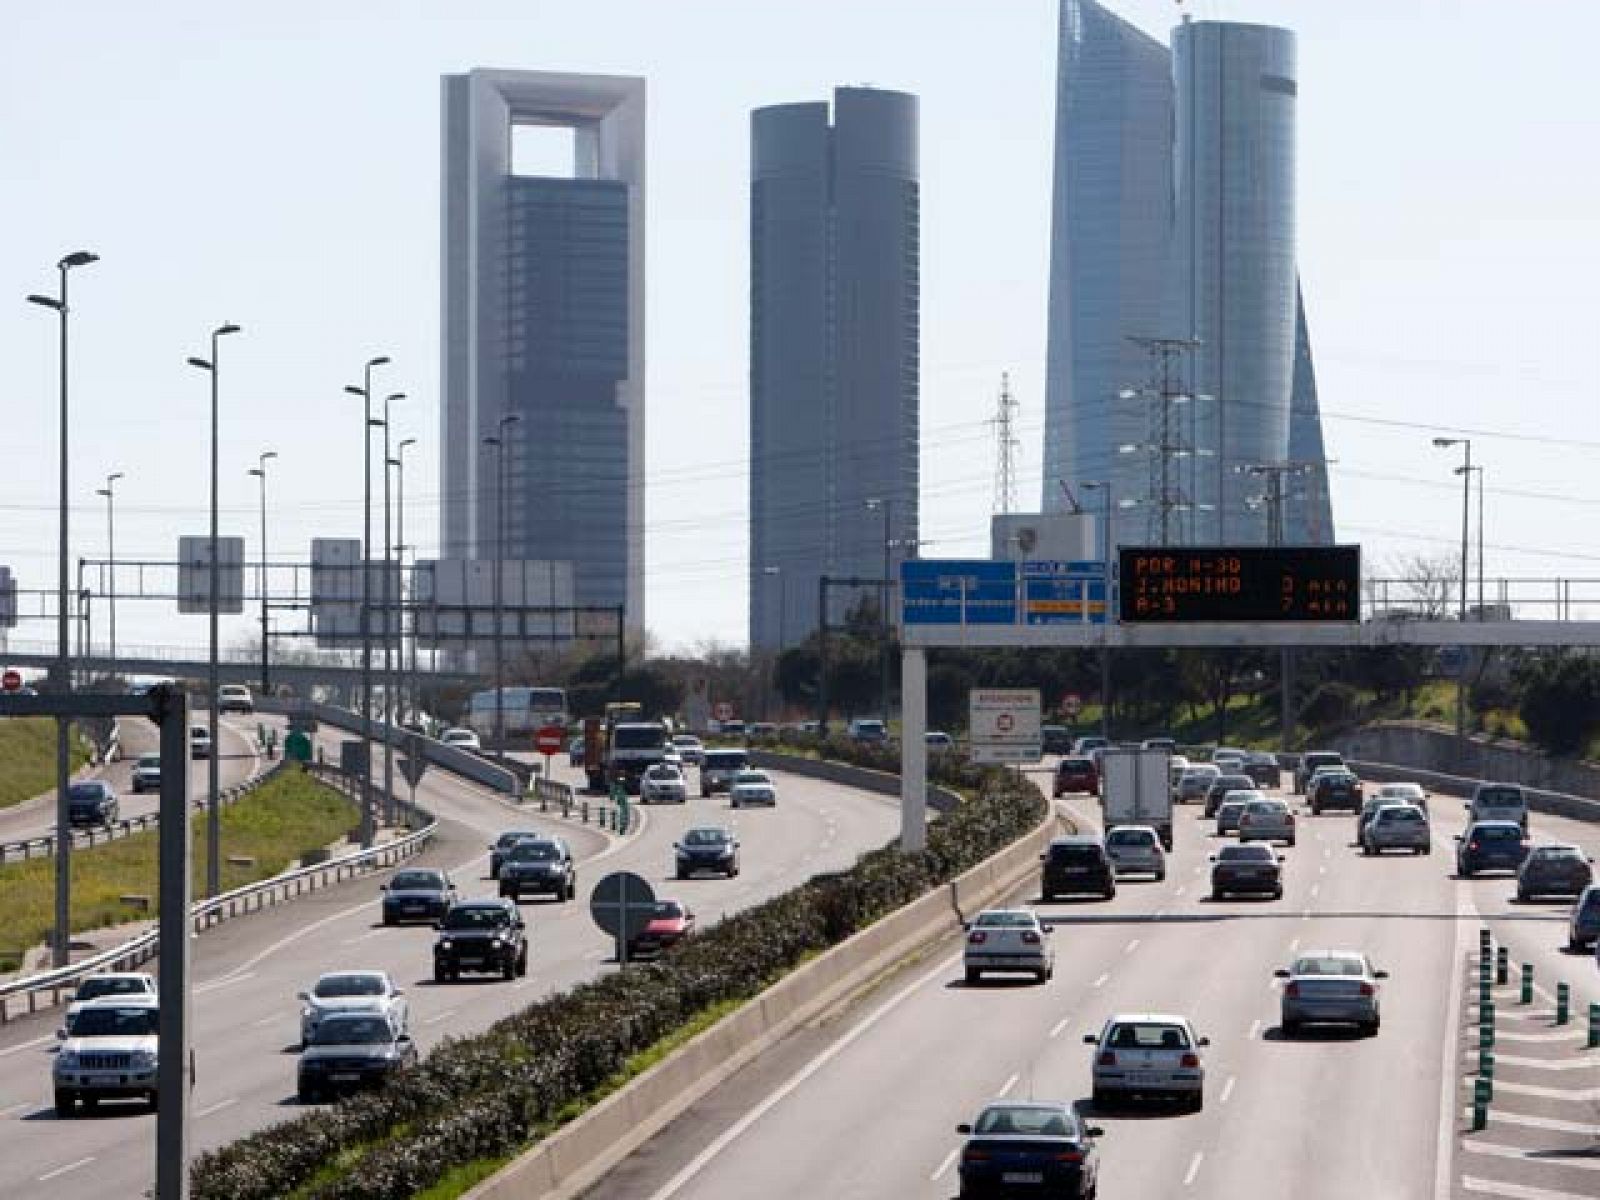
{"x": 1561, "y": 702}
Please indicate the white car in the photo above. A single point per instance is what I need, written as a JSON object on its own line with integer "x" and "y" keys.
{"x": 352, "y": 991}
{"x": 120, "y": 985}
{"x": 199, "y": 741}
{"x": 1008, "y": 939}
{"x": 1402, "y": 793}
{"x": 147, "y": 774}
{"x": 1148, "y": 1054}
{"x": 1136, "y": 850}
{"x": 663, "y": 784}
{"x": 691, "y": 748}
{"x": 110, "y": 1054}
{"x": 235, "y": 698}
{"x": 752, "y": 787}
{"x": 461, "y": 739}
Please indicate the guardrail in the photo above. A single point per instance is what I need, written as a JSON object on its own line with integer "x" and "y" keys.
{"x": 554, "y": 796}
{"x": 31, "y": 993}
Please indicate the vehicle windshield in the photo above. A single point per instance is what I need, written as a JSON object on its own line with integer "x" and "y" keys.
{"x": 751, "y": 777}
{"x": 115, "y": 1022}
{"x": 686, "y": 741}
{"x": 1240, "y": 797}
{"x": 1399, "y": 813}
{"x": 476, "y": 917}
{"x": 146, "y": 761}
{"x": 330, "y": 986}
{"x": 353, "y": 1031}
{"x": 1198, "y": 773}
{"x": 1149, "y": 1035}
{"x": 1500, "y": 796}
{"x": 706, "y": 837}
{"x": 1497, "y": 833}
{"x": 1076, "y": 854}
{"x": 664, "y": 771}
{"x": 417, "y": 881}
{"x": 1076, "y": 764}
{"x": 1248, "y": 853}
{"x": 667, "y": 909}
{"x": 639, "y": 737}
{"x": 507, "y": 840}
{"x": 535, "y": 852}
{"x": 1028, "y": 1120}
{"x": 725, "y": 760}
{"x": 1130, "y": 837}
{"x": 108, "y": 985}
{"x": 85, "y": 791}
{"x": 1328, "y": 964}
{"x": 1400, "y": 789}
{"x": 1005, "y": 919}
{"x": 1266, "y": 808}
{"x": 1557, "y": 853}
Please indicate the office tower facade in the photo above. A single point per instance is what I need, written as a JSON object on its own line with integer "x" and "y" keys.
{"x": 543, "y": 322}
{"x": 834, "y": 344}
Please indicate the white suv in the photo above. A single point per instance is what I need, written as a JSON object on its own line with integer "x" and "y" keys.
{"x": 109, "y": 1055}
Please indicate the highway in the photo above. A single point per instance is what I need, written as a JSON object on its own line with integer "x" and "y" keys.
{"x": 248, "y": 971}
{"x": 865, "y": 1104}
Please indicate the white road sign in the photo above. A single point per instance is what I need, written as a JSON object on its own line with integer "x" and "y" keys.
{"x": 1005, "y": 725}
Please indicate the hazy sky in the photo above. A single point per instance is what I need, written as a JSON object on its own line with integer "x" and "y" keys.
{"x": 277, "y": 165}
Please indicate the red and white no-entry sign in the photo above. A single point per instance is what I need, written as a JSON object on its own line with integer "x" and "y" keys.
{"x": 549, "y": 739}
{"x": 11, "y": 681}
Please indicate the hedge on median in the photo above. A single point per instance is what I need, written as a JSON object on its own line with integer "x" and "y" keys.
{"x": 490, "y": 1095}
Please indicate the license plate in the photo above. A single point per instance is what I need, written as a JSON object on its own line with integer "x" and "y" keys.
{"x": 344, "y": 1077}
{"x": 1145, "y": 1078}
{"x": 1022, "y": 1177}
{"x": 1075, "y": 870}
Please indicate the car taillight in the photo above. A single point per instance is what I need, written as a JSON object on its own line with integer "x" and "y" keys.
{"x": 1472, "y": 845}
{"x": 1292, "y": 991}
{"x": 1366, "y": 989}
{"x": 1190, "y": 1060}
{"x": 1108, "y": 1058}
{"x": 974, "y": 1154}
{"x": 1030, "y": 938}
{"x": 1070, "y": 1156}
{"x": 977, "y": 937}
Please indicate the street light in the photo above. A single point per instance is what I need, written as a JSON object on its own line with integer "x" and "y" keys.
{"x": 1104, "y": 486}
{"x": 1477, "y": 469}
{"x": 213, "y": 783}
{"x": 365, "y": 392}
{"x": 884, "y": 505}
{"x": 260, "y": 472}
{"x": 398, "y": 462}
{"x": 388, "y": 624}
{"x": 1466, "y": 502}
{"x": 109, "y": 492}
{"x": 79, "y": 258}
{"x": 501, "y": 443}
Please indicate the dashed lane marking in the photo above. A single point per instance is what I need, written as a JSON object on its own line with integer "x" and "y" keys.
{"x": 1131, "y": 946}
{"x": 217, "y": 1107}
{"x": 444, "y": 1016}
{"x": 949, "y": 1160}
{"x": 1055, "y": 1030}
{"x": 1516, "y": 1191}
{"x": 1101, "y": 982}
{"x": 1007, "y": 1085}
{"x": 1227, "y": 1088}
{"x": 29, "y": 1045}
{"x": 1474, "y": 1146}
{"x": 1194, "y": 1167}
{"x": 60, "y": 1171}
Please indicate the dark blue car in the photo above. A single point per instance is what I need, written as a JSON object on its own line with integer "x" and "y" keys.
{"x": 1490, "y": 846}
{"x": 1028, "y": 1148}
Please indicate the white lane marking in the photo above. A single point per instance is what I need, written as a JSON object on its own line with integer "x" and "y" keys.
{"x": 1131, "y": 946}
{"x": 1316, "y": 888}
{"x": 213, "y": 984}
{"x": 1545, "y": 1064}
{"x": 1227, "y": 1088}
{"x": 676, "y": 1184}
{"x": 444, "y": 1016}
{"x": 21, "y": 1046}
{"x": 1518, "y": 1152}
{"x": 1322, "y": 870}
{"x": 1577, "y": 1095}
{"x": 1444, "y": 1147}
{"x": 217, "y": 1107}
{"x": 265, "y": 1021}
{"x": 361, "y": 937}
{"x": 1516, "y": 1191}
{"x": 59, "y": 1171}
{"x": 949, "y": 1161}
{"x": 1101, "y": 982}
{"x": 1007, "y": 1086}
{"x": 1532, "y": 1122}
{"x": 1255, "y": 1028}
{"x": 1181, "y": 890}
{"x": 1194, "y": 1167}
{"x": 1294, "y": 946}
{"x": 1055, "y": 1030}
{"x": 1305, "y": 914}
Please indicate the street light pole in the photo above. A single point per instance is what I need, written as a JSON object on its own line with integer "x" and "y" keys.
{"x": 109, "y": 492}
{"x": 62, "y": 932}
{"x": 1465, "y": 471}
{"x": 388, "y": 625}
{"x": 1104, "y": 486}
{"x": 365, "y": 392}
{"x": 260, "y": 472}
{"x": 399, "y": 464}
{"x": 886, "y": 506}
{"x": 501, "y": 444}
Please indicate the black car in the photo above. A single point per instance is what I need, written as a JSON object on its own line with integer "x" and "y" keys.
{"x": 1249, "y": 868}
{"x": 1335, "y": 789}
{"x": 501, "y": 847}
{"x": 1222, "y": 785}
{"x": 1055, "y": 739}
{"x": 1029, "y": 1147}
{"x": 1310, "y": 763}
{"x": 1490, "y": 846}
{"x": 1076, "y": 864}
{"x": 1554, "y": 871}
{"x": 487, "y": 936}
{"x": 707, "y": 848}
{"x": 1583, "y": 922}
{"x": 350, "y": 1051}
{"x": 92, "y": 802}
{"x": 1263, "y": 770}
{"x": 542, "y": 866}
{"x": 417, "y": 895}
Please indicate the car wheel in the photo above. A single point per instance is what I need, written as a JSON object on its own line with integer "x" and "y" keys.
{"x": 572, "y": 890}
{"x": 1110, "y": 893}
{"x": 1197, "y": 1102}
{"x": 1100, "y": 1098}
{"x": 1216, "y": 893}
{"x": 1291, "y": 843}
{"x": 1277, "y": 892}
{"x": 1370, "y": 1028}
{"x": 440, "y": 975}
{"x": 306, "y": 1095}
{"x": 66, "y": 1104}
{"x": 973, "y": 975}
{"x": 1291, "y": 1028}
{"x": 522, "y": 963}
{"x": 1522, "y": 896}
{"x": 1161, "y": 875}
{"x": 1366, "y": 849}
{"x": 508, "y": 970}
{"x": 682, "y": 874}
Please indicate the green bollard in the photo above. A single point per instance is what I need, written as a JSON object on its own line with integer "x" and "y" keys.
{"x": 1563, "y": 1003}
{"x": 1594, "y": 1026}
{"x": 1485, "y": 1037}
{"x": 1527, "y": 983}
{"x": 1487, "y": 1079}
{"x": 1485, "y": 1062}
{"x": 1486, "y": 1014}
{"x": 1481, "y": 1090}
{"x": 1502, "y": 966}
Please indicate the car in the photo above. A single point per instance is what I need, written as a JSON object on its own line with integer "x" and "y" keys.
{"x": 1403, "y": 793}
{"x": 351, "y": 1051}
{"x": 671, "y": 758}
{"x": 1148, "y": 1054}
{"x": 706, "y": 848}
{"x": 1246, "y": 869}
{"x": 731, "y": 728}
{"x": 1089, "y": 743}
{"x": 1221, "y": 785}
{"x": 115, "y": 984}
{"x": 541, "y": 865}
{"x": 1334, "y": 788}
{"x": 370, "y": 992}
{"x": 1038, "y": 1146}
{"x": 461, "y": 739}
{"x": 1554, "y": 870}
{"x": 109, "y": 1054}
{"x": 719, "y": 768}
{"x": 938, "y": 742}
{"x": 1076, "y": 773}
{"x": 1008, "y": 939}
{"x": 417, "y": 894}
{"x": 868, "y": 729}
{"x": 752, "y": 787}
{"x": 1159, "y": 743}
{"x": 199, "y": 741}
{"x": 1228, "y": 760}
{"x": 1498, "y": 802}
{"x": 1055, "y": 739}
{"x": 147, "y": 774}
{"x": 1312, "y": 761}
{"x": 500, "y": 848}
{"x": 691, "y": 748}
{"x": 1263, "y": 769}
{"x": 1074, "y": 864}
{"x": 663, "y": 784}
{"x": 575, "y": 752}
{"x": 235, "y": 698}
{"x": 1490, "y": 846}
{"x": 1330, "y": 987}
{"x": 1194, "y": 783}
{"x": 762, "y": 729}
{"x": 1370, "y": 804}
{"x": 1583, "y": 921}
{"x": 1267, "y": 819}
{"x": 486, "y": 936}
{"x": 1136, "y": 850}
{"x": 1177, "y": 764}
{"x": 91, "y": 802}
{"x": 1397, "y": 827}
{"x": 1231, "y": 811}
{"x": 670, "y": 923}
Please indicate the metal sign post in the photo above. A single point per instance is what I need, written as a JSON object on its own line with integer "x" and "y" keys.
{"x": 622, "y": 904}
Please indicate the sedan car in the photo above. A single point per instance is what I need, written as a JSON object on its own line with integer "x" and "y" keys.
{"x": 1008, "y": 939}
{"x": 542, "y": 866}
{"x": 117, "y": 985}
{"x": 1490, "y": 846}
{"x": 147, "y": 774}
{"x": 1076, "y": 774}
{"x": 690, "y": 748}
{"x": 1266, "y": 820}
{"x": 1136, "y": 850}
{"x": 1331, "y": 987}
{"x": 199, "y": 741}
{"x": 1403, "y": 793}
{"x": 670, "y": 923}
{"x": 1334, "y": 787}
{"x": 1231, "y": 811}
{"x": 352, "y": 1051}
{"x": 1220, "y": 786}
{"x": 1554, "y": 871}
{"x": 1034, "y": 1147}
{"x": 1246, "y": 869}
{"x": 367, "y": 992}
{"x": 1263, "y": 769}
{"x": 461, "y": 739}
{"x": 500, "y": 848}
{"x": 1148, "y": 1054}
{"x": 1194, "y": 783}
{"x": 1310, "y": 763}
{"x": 91, "y": 802}
{"x": 663, "y": 784}
{"x": 1397, "y": 827}
{"x": 707, "y": 848}
{"x": 1583, "y": 922}
{"x": 417, "y": 895}
{"x": 752, "y": 787}
{"x": 487, "y": 936}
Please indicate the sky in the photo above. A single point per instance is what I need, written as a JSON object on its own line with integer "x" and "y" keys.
{"x": 278, "y": 166}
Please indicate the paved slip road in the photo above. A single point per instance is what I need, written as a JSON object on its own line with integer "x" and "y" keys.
{"x": 865, "y": 1104}
{"x": 248, "y": 971}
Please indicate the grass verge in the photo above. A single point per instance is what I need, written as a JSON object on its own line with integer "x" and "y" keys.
{"x": 28, "y": 758}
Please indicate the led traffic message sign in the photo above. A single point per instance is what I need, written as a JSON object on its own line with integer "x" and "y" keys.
{"x": 1184, "y": 584}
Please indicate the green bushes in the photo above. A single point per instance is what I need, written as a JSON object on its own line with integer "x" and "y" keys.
{"x": 490, "y": 1095}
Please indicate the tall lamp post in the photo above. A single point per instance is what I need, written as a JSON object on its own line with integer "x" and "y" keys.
{"x": 214, "y": 825}
{"x": 109, "y": 492}
{"x": 398, "y": 462}
{"x": 1477, "y": 469}
{"x": 1465, "y": 471}
{"x": 364, "y": 390}
{"x": 884, "y": 505}
{"x": 59, "y": 941}
{"x": 1103, "y": 486}
{"x": 388, "y": 622}
{"x": 260, "y": 472}
{"x": 500, "y": 443}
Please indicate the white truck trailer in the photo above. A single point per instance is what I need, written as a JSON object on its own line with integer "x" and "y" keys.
{"x": 1135, "y": 789}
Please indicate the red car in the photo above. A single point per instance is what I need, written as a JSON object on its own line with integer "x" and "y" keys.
{"x": 1077, "y": 775}
{"x": 673, "y": 921}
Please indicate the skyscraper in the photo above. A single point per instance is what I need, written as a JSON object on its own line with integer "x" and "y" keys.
{"x": 543, "y": 321}
{"x": 834, "y": 310}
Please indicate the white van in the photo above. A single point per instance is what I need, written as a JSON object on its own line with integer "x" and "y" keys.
{"x": 1499, "y": 802}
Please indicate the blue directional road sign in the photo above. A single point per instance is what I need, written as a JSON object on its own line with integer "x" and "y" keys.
{"x": 976, "y": 591}
{"x": 1064, "y": 593}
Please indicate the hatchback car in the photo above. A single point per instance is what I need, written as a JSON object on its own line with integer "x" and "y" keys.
{"x": 1194, "y": 783}
{"x": 1076, "y": 774}
{"x": 690, "y": 748}
{"x": 1263, "y": 769}
{"x": 1148, "y": 1054}
{"x": 1397, "y": 827}
{"x": 1334, "y": 788}
{"x": 91, "y": 802}
{"x": 1076, "y": 864}
{"x": 1008, "y": 939}
{"x": 1029, "y": 1147}
{"x": 417, "y": 895}
{"x": 500, "y": 848}
{"x": 670, "y": 923}
{"x": 351, "y": 1051}
{"x": 1246, "y": 869}
{"x": 199, "y": 741}
{"x": 1136, "y": 850}
{"x": 1232, "y": 781}
{"x": 1490, "y": 846}
{"x": 1231, "y": 811}
{"x": 663, "y": 784}
{"x": 461, "y": 739}
{"x": 1310, "y": 763}
{"x": 706, "y": 848}
{"x": 487, "y": 936}
{"x": 1554, "y": 871}
{"x": 752, "y": 787}
{"x": 938, "y": 742}
{"x": 1267, "y": 820}
{"x": 542, "y": 866}
{"x": 1403, "y": 793}
{"x": 1332, "y": 987}
{"x": 368, "y": 992}
{"x": 147, "y": 774}
{"x": 1583, "y": 922}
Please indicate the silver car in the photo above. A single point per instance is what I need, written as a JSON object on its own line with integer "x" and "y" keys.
{"x": 1136, "y": 850}
{"x": 1194, "y": 783}
{"x": 1266, "y": 820}
{"x": 1008, "y": 939}
{"x": 1403, "y": 793}
{"x": 1397, "y": 827}
{"x": 1232, "y": 809}
{"x": 1334, "y": 986}
{"x": 1148, "y": 1054}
